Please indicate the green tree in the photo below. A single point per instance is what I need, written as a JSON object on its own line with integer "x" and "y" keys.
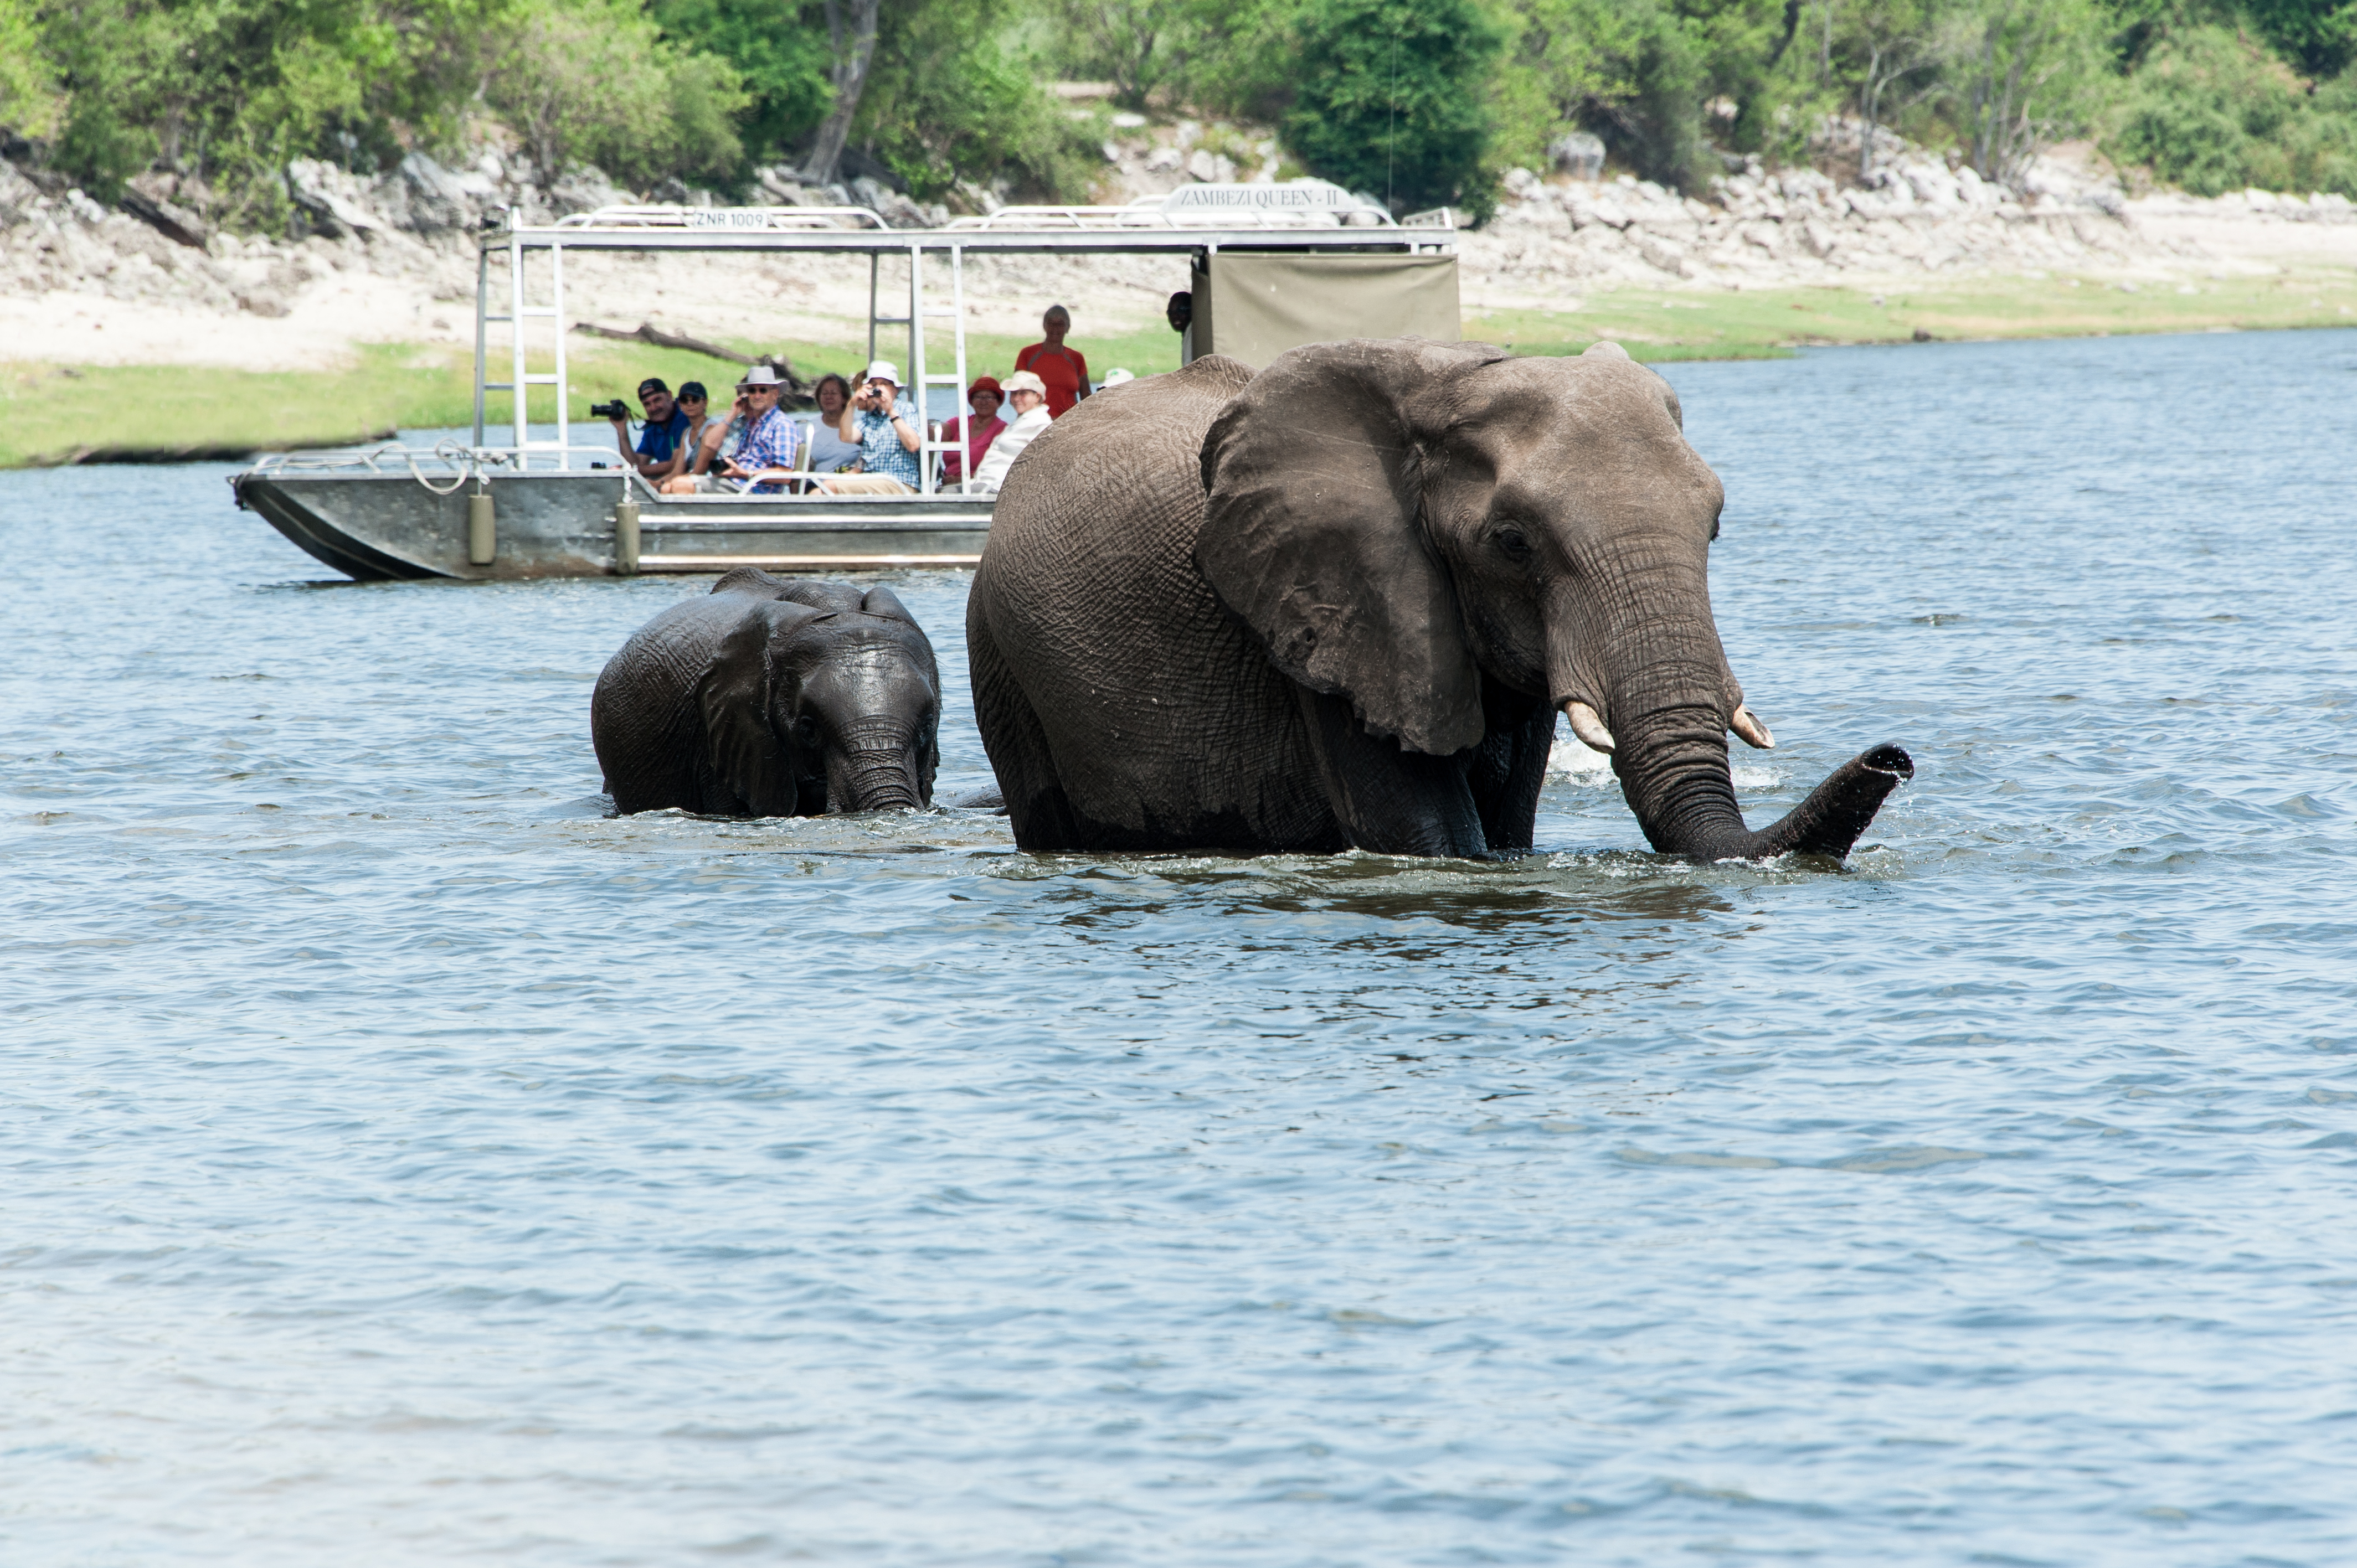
{"x": 29, "y": 99}
{"x": 2318, "y": 36}
{"x": 1134, "y": 44}
{"x": 782, "y": 67}
{"x": 1390, "y": 100}
{"x": 2029, "y": 73}
{"x": 2210, "y": 111}
{"x": 1564, "y": 62}
{"x": 946, "y": 98}
{"x": 593, "y": 81}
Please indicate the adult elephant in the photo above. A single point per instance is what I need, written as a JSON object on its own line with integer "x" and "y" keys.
{"x": 771, "y": 698}
{"x": 1340, "y": 603}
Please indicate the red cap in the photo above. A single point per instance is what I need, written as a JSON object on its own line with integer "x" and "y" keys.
{"x": 985, "y": 383}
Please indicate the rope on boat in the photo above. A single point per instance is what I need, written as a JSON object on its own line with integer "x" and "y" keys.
{"x": 448, "y": 450}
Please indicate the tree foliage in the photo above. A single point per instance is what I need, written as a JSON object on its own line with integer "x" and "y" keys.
{"x": 947, "y": 100}
{"x": 1389, "y": 98}
{"x": 1418, "y": 104}
{"x": 2211, "y": 112}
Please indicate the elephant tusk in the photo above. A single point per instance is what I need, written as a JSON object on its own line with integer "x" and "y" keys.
{"x": 1588, "y": 727}
{"x": 1747, "y": 724}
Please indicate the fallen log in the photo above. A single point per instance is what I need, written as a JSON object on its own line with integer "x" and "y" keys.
{"x": 648, "y": 332}
{"x": 798, "y": 391}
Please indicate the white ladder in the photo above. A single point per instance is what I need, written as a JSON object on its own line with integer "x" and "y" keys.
{"x": 521, "y": 378}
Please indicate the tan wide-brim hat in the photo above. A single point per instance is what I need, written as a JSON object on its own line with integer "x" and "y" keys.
{"x": 1023, "y": 381}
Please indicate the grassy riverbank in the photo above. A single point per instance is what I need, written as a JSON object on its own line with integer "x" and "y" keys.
{"x": 1676, "y": 324}
{"x": 56, "y": 414}
{"x": 62, "y": 414}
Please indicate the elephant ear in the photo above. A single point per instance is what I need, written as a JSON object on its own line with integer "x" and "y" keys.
{"x": 882, "y": 601}
{"x": 743, "y": 746}
{"x": 1313, "y": 476}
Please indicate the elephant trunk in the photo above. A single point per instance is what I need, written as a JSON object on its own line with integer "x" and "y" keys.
{"x": 874, "y": 766}
{"x": 1670, "y": 700}
{"x": 1672, "y": 763}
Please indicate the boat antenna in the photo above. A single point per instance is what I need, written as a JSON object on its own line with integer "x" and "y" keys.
{"x": 1391, "y": 137}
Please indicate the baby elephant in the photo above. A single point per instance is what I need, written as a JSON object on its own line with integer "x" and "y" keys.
{"x": 770, "y": 698}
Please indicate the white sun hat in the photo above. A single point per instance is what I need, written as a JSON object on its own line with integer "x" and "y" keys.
{"x": 883, "y": 371}
{"x": 1114, "y": 378}
{"x": 1025, "y": 380}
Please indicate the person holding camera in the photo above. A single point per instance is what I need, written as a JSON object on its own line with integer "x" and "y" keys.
{"x": 887, "y": 437}
{"x": 662, "y": 444}
{"x": 765, "y": 454}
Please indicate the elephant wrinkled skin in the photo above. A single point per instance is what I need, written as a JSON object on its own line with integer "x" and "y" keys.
{"x": 771, "y": 698}
{"x": 1339, "y": 603}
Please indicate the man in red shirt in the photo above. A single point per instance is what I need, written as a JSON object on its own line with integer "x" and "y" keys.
{"x": 1063, "y": 369}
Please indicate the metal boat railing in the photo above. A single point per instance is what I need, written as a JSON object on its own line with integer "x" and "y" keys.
{"x": 1147, "y": 212}
{"x": 754, "y": 219}
{"x": 458, "y": 462}
{"x": 454, "y": 457}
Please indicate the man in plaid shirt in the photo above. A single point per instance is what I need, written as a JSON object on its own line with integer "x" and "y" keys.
{"x": 767, "y": 451}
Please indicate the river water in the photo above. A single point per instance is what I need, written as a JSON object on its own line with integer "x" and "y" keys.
{"x": 404, "y": 1163}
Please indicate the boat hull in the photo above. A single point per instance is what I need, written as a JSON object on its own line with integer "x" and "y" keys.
{"x": 378, "y": 527}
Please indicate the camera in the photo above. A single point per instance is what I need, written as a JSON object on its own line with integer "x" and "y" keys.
{"x": 614, "y": 410}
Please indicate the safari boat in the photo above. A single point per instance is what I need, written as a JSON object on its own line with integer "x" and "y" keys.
{"x": 1271, "y": 267}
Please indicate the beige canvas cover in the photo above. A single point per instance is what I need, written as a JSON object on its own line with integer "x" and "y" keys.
{"x": 1254, "y": 306}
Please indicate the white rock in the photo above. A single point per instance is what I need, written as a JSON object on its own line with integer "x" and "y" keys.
{"x": 331, "y": 196}
{"x": 1666, "y": 254}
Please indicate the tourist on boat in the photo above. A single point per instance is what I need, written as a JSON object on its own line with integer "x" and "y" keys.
{"x": 697, "y": 403}
{"x": 1028, "y": 396}
{"x": 1063, "y": 370}
{"x": 660, "y": 439}
{"x": 1179, "y": 311}
{"x": 888, "y": 438}
{"x": 764, "y": 458}
{"x": 709, "y": 453}
{"x": 830, "y": 453}
{"x": 982, "y": 428}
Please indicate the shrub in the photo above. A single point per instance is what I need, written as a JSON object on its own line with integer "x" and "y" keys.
{"x": 782, "y": 68}
{"x": 593, "y": 81}
{"x": 2212, "y": 113}
{"x": 947, "y": 100}
{"x": 1389, "y": 100}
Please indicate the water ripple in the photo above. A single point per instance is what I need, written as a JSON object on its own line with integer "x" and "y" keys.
{"x": 408, "y": 1162}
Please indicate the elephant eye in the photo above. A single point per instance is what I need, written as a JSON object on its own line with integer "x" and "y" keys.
{"x": 1514, "y": 542}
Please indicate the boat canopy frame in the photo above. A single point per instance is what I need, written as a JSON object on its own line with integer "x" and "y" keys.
{"x": 1230, "y": 218}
